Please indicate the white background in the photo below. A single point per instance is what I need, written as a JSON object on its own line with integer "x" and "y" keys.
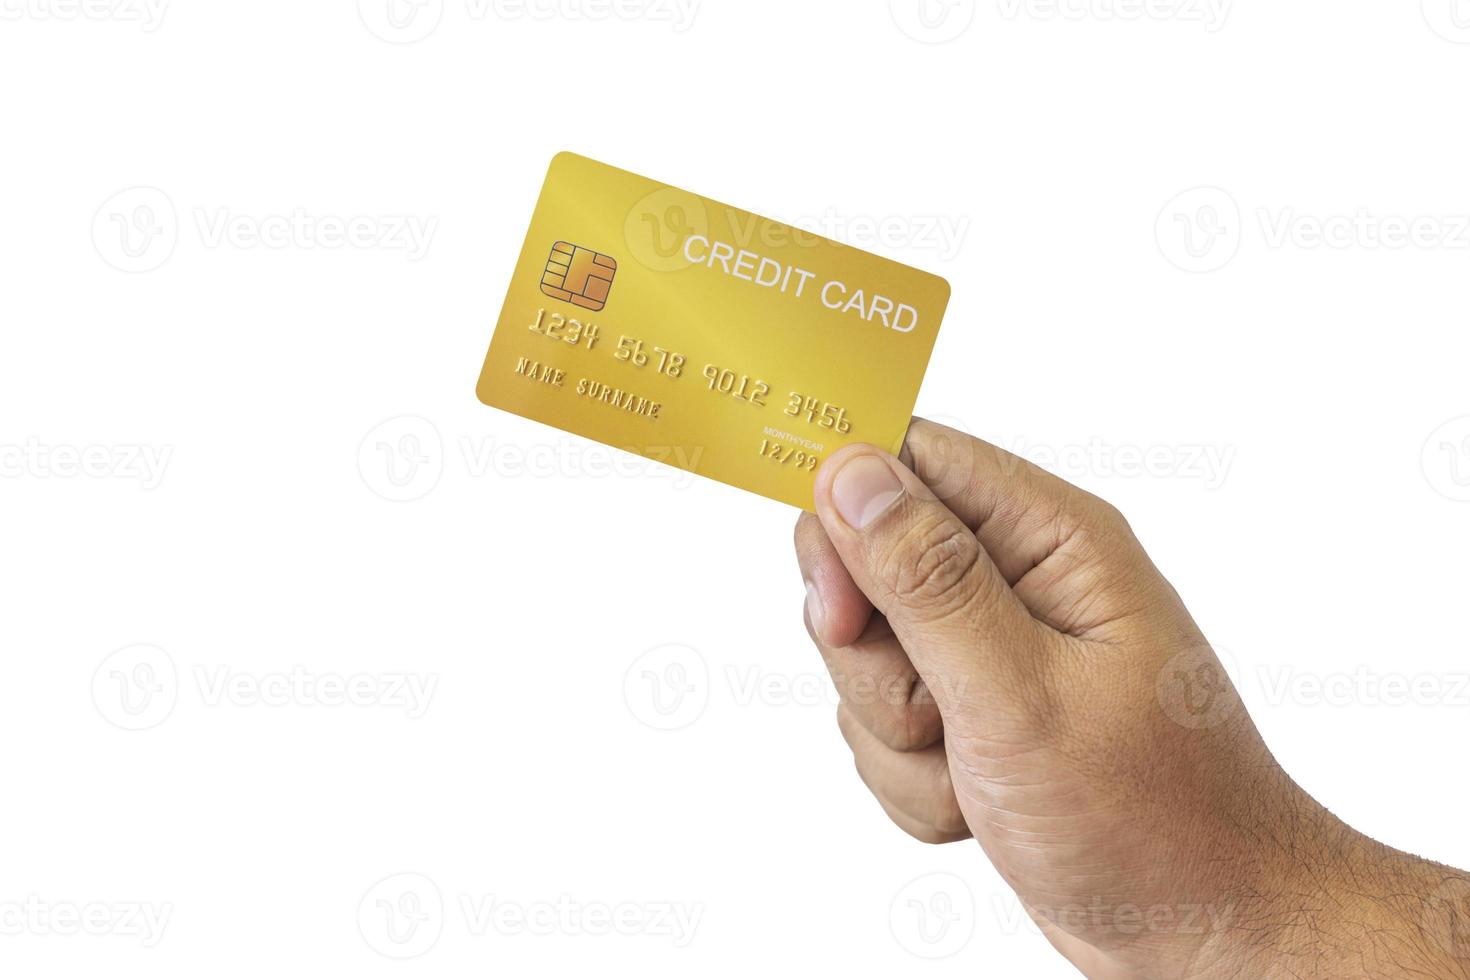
{"x": 291, "y": 394}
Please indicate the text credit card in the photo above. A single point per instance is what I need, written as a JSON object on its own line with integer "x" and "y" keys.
{"x": 703, "y": 336}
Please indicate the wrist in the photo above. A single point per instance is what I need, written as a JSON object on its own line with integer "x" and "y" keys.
{"x": 1336, "y": 903}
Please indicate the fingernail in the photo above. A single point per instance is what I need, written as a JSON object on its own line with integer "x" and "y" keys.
{"x": 863, "y": 489}
{"x": 814, "y": 607}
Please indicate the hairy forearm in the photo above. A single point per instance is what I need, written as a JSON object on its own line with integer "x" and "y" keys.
{"x": 1345, "y": 906}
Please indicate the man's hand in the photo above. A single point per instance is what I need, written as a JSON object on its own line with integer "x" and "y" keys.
{"x": 1013, "y": 667}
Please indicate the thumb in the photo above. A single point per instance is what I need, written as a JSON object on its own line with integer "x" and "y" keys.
{"x": 924, "y": 569}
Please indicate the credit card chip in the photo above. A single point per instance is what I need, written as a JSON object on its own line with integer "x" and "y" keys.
{"x": 579, "y": 275}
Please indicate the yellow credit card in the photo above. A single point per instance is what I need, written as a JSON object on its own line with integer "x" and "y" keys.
{"x": 703, "y": 336}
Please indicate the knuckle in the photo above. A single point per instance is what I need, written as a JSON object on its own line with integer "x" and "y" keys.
{"x": 925, "y": 834}
{"x": 1110, "y": 516}
{"x": 844, "y": 723}
{"x": 947, "y": 462}
{"x": 948, "y": 817}
{"x": 932, "y": 565}
{"x": 898, "y": 711}
{"x": 801, "y": 534}
{"x": 910, "y": 727}
{"x": 953, "y": 826}
{"x": 895, "y": 708}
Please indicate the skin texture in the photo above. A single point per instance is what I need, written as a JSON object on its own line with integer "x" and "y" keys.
{"x": 1013, "y": 668}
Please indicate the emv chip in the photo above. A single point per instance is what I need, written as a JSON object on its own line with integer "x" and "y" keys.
{"x": 578, "y": 275}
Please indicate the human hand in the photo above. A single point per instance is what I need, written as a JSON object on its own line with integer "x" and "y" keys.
{"x": 1013, "y": 667}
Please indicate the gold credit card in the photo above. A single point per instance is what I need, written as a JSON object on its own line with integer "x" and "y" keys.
{"x": 703, "y": 336}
